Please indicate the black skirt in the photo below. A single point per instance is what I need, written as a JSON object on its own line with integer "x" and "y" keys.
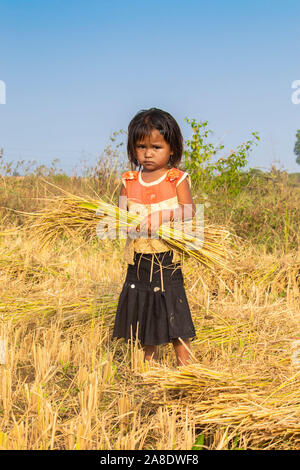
{"x": 153, "y": 302}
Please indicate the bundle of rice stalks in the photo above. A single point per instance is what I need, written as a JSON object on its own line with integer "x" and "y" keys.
{"x": 211, "y": 249}
{"x": 195, "y": 379}
{"x": 65, "y": 216}
{"x": 223, "y": 334}
{"x": 70, "y": 215}
{"x": 264, "y": 410}
{"x": 22, "y": 309}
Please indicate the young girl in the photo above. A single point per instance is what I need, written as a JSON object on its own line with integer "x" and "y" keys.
{"x": 153, "y": 304}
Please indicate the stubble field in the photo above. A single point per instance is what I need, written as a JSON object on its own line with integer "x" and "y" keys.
{"x": 65, "y": 384}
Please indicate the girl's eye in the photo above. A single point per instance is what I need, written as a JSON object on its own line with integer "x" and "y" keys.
{"x": 142, "y": 146}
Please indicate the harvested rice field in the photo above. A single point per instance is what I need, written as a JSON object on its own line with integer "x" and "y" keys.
{"x": 65, "y": 384}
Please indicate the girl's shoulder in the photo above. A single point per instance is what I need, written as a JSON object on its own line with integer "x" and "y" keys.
{"x": 130, "y": 175}
{"x": 175, "y": 175}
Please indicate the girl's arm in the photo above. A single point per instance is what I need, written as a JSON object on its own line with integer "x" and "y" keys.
{"x": 185, "y": 200}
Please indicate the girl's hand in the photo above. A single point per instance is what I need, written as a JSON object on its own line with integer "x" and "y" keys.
{"x": 149, "y": 225}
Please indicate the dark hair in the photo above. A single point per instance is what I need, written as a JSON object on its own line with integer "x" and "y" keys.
{"x": 144, "y": 122}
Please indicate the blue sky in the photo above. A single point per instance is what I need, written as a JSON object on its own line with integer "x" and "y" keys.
{"x": 76, "y": 71}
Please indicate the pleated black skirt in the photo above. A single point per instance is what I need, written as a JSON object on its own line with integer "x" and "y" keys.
{"x": 153, "y": 306}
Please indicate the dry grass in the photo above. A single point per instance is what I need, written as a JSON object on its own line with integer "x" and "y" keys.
{"x": 66, "y": 384}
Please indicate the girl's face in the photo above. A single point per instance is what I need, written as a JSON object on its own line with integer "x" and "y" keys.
{"x": 153, "y": 152}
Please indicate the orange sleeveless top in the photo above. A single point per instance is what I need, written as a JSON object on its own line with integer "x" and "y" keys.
{"x": 144, "y": 198}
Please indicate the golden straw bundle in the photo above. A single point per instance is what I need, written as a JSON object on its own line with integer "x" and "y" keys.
{"x": 71, "y": 214}
{"x": 250, "y": 406}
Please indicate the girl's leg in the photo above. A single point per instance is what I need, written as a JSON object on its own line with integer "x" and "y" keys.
{"x": 182, "y": 355}
{"x": 150, "y": 352}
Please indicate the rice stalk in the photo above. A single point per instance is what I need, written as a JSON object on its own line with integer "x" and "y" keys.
{"x": 16, "y": 308}
{"x": 276, "y": 276}
{"x": 257, "y": 406}
{"x": 77, "y": 215}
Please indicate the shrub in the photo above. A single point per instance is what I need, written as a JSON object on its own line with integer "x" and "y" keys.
{"x": 226, "y": 172}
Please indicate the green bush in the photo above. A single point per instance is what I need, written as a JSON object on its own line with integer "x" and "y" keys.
{"x": 226, "y": 172}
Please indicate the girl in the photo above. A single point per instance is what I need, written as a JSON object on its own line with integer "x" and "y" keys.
{"x": 153, "y": 305}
